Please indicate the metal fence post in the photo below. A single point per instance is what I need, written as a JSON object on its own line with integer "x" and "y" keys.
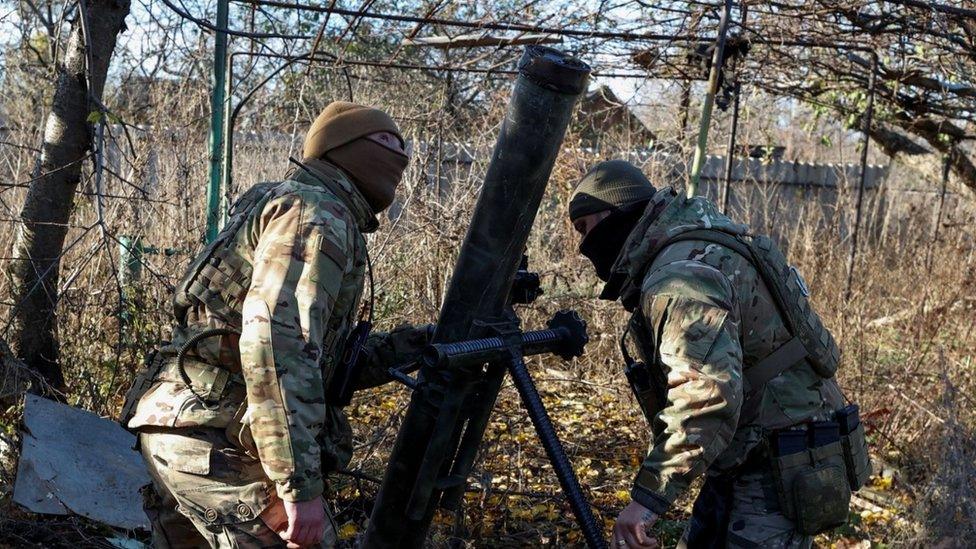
{"x": 730, "y": 150}
{"x": 130, "y": 270}
{"x": 718, "y": 56}
{"x": 217, "y": 97}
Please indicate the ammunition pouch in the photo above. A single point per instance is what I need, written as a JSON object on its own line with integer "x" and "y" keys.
{"x": 140, "y": 385}
{"x": 219, "y": 277}
{"x": 856, "y": 458}
{"x": 812, "y": 484}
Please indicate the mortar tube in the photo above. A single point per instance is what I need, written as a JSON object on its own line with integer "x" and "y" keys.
{"x": 546, "y": 90}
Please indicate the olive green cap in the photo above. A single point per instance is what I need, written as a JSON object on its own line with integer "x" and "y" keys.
{"x": 609, "y": 185}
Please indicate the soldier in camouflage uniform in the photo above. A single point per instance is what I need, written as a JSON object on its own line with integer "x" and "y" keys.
{"x": 232, "y": 414}
{"x": 703, "y": 318}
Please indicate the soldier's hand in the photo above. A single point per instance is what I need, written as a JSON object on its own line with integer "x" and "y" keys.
{"x": 631, "y": 527}
{"x": 306, "y": 522}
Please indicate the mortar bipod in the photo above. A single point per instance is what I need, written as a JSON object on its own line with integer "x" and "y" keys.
{"x": 566, "y": 337}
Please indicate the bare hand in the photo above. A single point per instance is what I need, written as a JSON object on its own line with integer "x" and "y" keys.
{"x": 299, "y": 523}
{"x": 631, "y": 527}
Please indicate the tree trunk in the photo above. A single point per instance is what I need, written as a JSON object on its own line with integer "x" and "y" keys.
{"x": 50, "y": 198}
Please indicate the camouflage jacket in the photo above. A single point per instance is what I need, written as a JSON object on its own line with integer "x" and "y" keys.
{"x": 705, "y": 315}
{"x": 302, "y": 244}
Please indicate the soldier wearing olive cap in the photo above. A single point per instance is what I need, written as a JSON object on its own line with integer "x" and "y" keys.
{"x": 735, "y": 376}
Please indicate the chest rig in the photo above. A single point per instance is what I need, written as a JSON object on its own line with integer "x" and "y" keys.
{"x": 811, "y": 342}
{"x": 220, "y": 276}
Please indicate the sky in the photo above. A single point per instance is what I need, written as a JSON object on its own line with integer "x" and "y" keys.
{"x": 138, "y": 40}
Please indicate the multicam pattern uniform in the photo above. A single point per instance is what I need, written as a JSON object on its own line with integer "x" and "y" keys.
{"x": 271, "y": 433}
{"x": 704, "y": 315}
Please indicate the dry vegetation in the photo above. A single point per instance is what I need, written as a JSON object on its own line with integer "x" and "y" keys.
{"x": 907, "y": 333}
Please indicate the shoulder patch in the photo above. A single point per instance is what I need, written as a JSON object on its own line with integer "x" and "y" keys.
{"x": 333, "y": 251}
{"x": 691, "y": 328}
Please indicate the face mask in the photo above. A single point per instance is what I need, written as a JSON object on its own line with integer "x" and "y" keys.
{"x": 604, "y": 242}
{"x": 375, "y": 169}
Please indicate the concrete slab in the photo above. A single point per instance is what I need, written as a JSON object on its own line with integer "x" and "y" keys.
{"x": 73, "y": 461}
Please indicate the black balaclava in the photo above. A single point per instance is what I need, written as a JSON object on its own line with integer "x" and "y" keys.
{"x": 602, "y": 245}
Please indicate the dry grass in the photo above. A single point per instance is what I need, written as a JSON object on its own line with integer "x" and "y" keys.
{"x": 907, "y": 333}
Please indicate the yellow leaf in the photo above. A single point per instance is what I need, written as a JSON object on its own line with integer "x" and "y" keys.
{"x": 883, "y": 483}
{"x": 348, "y": 531}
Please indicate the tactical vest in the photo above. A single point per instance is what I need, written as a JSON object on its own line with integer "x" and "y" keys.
{"x": 220, "y": 277}
{"x": 811, "y": 341}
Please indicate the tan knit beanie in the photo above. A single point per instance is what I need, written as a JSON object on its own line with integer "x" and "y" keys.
{"x": 342, "y": 122}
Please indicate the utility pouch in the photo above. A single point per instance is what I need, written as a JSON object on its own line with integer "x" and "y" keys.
{"x": 140, "y": 385}
{"x": 855, "y": 445}
{"x": 811, "y": 482}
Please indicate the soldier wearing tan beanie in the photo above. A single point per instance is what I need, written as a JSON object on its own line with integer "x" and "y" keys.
{"x": 365, "y": 143}
{"x": 283, "y": 279}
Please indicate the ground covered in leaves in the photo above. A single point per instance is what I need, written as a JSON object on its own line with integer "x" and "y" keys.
{"x": 512, "y": 498}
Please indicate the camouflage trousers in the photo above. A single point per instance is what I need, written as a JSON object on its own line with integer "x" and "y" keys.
{"x": 741, "y": 512}
{"x": 207, "y": 493}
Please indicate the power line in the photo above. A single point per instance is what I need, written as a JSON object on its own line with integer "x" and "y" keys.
{"x": 576, "y": 33}
{"x": 516, "y": 27}
{"x": 210, "y": 26}
{"x": 412, "y": 66}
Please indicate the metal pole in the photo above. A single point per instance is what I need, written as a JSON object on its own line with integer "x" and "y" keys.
{"x": 539, "y": 111}
{"x": 227, "y": 150}
{"x": 946, "y": 166}
{"x": 868, "y": 115}
{"x": 130, "y": 270}
{"x": 217, "y": 97}
{"x": 730, "y": 150}
{"x": 709, "y": 102}
{"x": 685, "y": 104}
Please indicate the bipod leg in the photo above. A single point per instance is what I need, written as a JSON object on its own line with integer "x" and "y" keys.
{"x": 474, "y": 432}
{"x": 592, "y": 530}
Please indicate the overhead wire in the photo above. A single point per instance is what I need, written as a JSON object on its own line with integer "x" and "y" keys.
{"x": 479, "y": 25}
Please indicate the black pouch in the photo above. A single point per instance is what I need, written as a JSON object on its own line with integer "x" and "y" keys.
{"x": 811, "y": 484}
{"x": 340, "y": 388}
{"x": 856, "y": 458}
